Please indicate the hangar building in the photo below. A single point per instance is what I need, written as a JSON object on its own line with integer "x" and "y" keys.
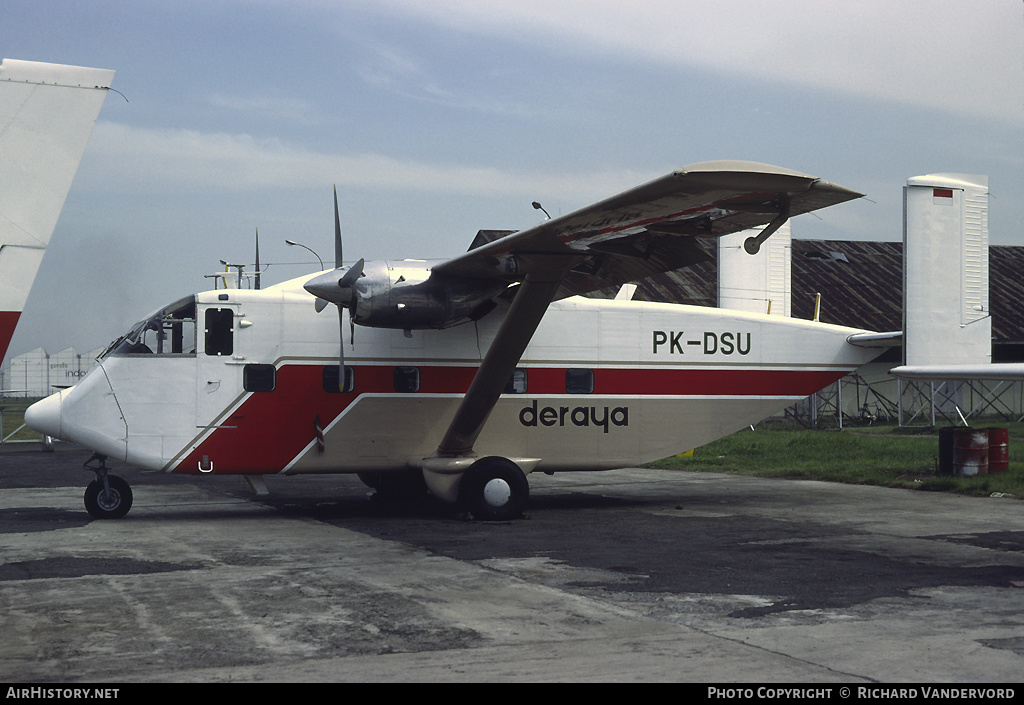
{"x": 37, "y": 373}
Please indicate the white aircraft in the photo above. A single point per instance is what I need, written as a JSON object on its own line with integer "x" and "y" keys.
{"x": 47, "y": 113}
{"x": 468, "y": 374}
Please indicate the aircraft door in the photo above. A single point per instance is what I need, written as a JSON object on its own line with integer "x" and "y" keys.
{"x": 219, "y": 370}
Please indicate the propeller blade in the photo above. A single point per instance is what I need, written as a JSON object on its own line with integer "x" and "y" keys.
{"x": 341, "y": 350}
{"x": 337, "y": 232}
{"x": 352, "y": 275}
{"x": 257, "y": 258}
{"x": 322, "y": 285}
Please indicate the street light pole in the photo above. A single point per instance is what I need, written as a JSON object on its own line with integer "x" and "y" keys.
{"x": 299, "y": 244}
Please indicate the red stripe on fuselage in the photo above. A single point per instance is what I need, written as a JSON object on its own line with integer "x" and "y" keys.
{"x": 8, "y": 322}
{"x": 270, "y": 429}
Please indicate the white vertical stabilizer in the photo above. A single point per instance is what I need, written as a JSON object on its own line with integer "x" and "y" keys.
{"x": 946, "y": 319}
{"x": 748, "y": 282}
{"x": 47, "y": 113}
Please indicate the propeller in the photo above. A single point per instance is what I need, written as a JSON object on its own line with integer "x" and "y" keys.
{"x": 329, "y": 287}
{"x": 257, "y": 258}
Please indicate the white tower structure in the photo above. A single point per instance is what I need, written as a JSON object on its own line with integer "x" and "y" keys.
{"x": 749, "y": 282}
{"x": 946, "y": 319}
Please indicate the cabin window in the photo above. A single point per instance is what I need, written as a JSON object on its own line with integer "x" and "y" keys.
{"x": 578, "y": 381}
{"x": 259, "y": 378}
{"x": 517, "y": 382}
{"x": 330, "y": 380}
{"x": 407, "y": 379}
{"x": 220, "y": 331}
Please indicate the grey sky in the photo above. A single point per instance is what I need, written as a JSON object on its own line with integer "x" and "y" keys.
{"x": 438, "y": 119}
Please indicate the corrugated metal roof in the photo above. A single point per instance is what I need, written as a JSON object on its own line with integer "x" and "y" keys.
{"x": 860, "y": 282}
{"x": 1006, "y": 292}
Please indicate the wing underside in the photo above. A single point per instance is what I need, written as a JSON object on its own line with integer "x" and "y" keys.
{"x": 649, "y": 229}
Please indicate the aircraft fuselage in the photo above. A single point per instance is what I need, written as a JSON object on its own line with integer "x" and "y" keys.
{"x": 247, "y": 382}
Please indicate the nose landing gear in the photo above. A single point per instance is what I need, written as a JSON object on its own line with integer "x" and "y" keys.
{"x": 108, "y": 496}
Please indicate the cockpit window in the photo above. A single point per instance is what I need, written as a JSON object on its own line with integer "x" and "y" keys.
{"x": 169, "y": 331}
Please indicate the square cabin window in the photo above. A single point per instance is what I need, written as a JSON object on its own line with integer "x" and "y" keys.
{"x": 330, "y": 380}
{"x": 259, "y": 378}
{"x": 407, "y": 380}
{"x": 517, "y": 382}
{"x": 578, "y": 381}
{"x": 220, "y": 331}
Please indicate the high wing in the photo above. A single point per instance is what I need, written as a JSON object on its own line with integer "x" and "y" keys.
{"x": 650, "y": 229}
{"x": 643, "y": 231}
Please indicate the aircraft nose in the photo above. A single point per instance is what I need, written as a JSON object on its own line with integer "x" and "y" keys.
{"x": 45, "y": 415}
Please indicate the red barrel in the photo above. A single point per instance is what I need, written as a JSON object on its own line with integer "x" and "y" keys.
{"x": 998, "y": 450}
{"x": 970, "y": 451}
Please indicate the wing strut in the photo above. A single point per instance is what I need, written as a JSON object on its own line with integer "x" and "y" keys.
{"x": 753, "y": 244}
{"x": 532, "y": 299}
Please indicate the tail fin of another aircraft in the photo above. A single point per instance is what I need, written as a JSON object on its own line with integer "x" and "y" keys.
{"x": 47, "y": 113}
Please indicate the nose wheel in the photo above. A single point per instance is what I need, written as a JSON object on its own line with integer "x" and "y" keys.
{"x": 108, "y": 496}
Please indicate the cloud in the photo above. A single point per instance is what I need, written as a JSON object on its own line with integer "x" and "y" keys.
{"x": 269, "y": 105}
{"x": 125, "y": 159}
{"x": 400, "y": 71}
{"x": 388, "y": 66}
{"x": 950, "y": 55}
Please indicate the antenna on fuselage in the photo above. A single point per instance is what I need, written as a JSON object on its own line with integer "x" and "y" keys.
{"x": 238, "y": 280}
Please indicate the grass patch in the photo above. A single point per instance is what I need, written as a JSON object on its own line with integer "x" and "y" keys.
{"x": 879, "y": 455}
{"x": 12, "y": 415}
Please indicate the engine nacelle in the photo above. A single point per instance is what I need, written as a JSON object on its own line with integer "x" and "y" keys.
{"x": 404, "y": 295}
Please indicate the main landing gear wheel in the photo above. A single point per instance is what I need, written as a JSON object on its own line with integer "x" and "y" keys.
{"x": 494, "y": 488}
{"x": 110, "y": 502}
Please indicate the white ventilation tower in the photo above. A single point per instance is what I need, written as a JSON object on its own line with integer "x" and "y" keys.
{"x": 749, "y": 282}
{"x": 946, "y": 318}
